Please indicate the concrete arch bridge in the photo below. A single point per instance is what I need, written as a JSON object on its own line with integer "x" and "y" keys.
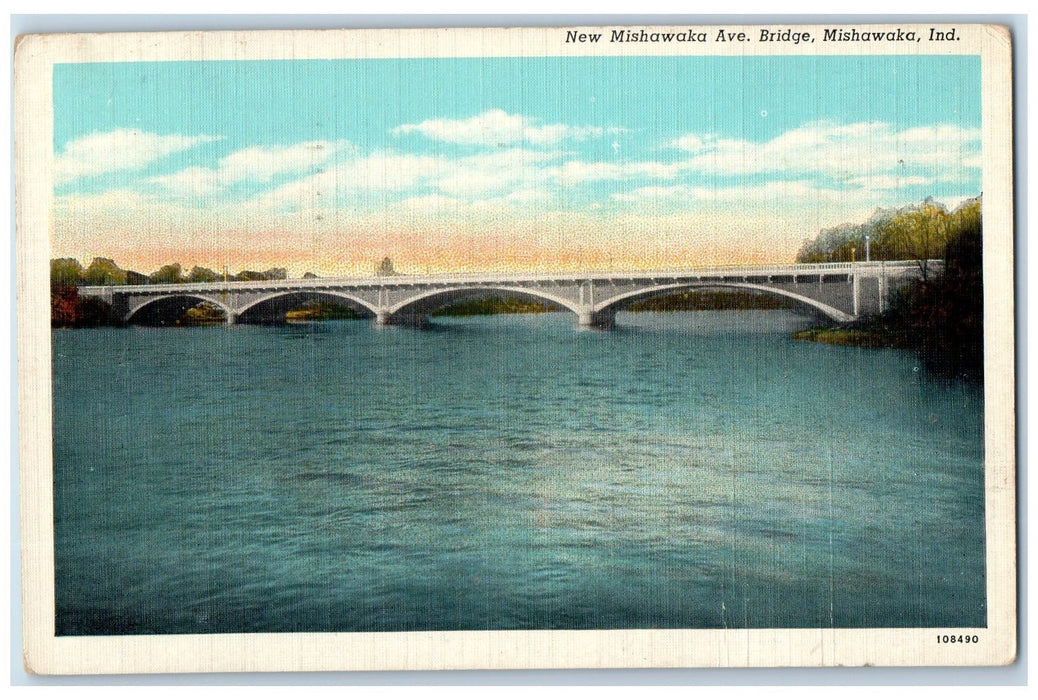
{"x": 842, "y": 292}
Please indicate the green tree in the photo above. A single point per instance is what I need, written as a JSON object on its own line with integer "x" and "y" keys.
{"x": 167, "y": 274}
{"x": 921, "y": 234}
{"x": 965, "y": 221}
{"x": 66, "y": 273}
{"x": 274, "y": 273}
{"x": 202, "y": 274}
{"x": 104, "y": 271}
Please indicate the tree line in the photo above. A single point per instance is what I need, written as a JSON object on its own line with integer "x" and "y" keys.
{"x": 68, "y": 272}
{"x": 919, "y": 232}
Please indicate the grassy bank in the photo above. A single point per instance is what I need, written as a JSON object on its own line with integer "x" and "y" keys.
{"x": 857, "y": 337}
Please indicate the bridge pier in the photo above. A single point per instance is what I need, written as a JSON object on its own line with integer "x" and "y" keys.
{"x": 409, "y": 320}
{"x": 883, "y": 291}
{"x": 232, "y": 318}
{"x": 600, "y": 319}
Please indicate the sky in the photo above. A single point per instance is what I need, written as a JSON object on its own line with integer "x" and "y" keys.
{"x": 499, "y": 164}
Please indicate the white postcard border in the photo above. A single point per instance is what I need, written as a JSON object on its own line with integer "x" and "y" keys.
{"x": 45, "y": 653}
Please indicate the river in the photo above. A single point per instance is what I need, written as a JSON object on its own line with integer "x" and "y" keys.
{"x": 684, "y": 470}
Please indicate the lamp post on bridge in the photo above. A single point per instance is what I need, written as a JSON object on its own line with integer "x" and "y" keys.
{"x": 867, "y": 257}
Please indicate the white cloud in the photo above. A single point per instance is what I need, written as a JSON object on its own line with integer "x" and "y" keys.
{"x": 121, "y": 200}
{"x": 256, "y": 164}
{"x": 119, "y": 150}
{"x": 693, "y": 143}
{"x": 190, "y": 182}
{"x": 467, "y": 181}
{"x": 804, "y": 204}
{"x": 846, "y": 159}
{"x": 807, "y": 178}
{"x": 890, "y": 182}
{"x": 555, "y": 133}
{"x": 842, "y": 151}
{"x": 496, "y": 127}
{"x": 575, "y": 172}
{"x": 260, "y": 164}
{"x": 429, "y": 204}
{"x": 778, "y": 195}
{"x": 507, "y": 158}
{"x": 382, "y": 171}
{"x": 495, "y": 172}
{"x": 529, "y": 196}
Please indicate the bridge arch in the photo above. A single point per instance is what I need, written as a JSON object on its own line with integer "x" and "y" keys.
{"x": 429, "y": 301}
{"x": 611, "y": 303}
{"x": 177, "y": 304}
{"x": 305, "y": 295}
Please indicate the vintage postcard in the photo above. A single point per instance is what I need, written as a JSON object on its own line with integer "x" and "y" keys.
{"x": 573, "y": 347}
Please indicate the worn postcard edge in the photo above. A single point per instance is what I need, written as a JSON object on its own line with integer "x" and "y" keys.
{"x": 44, "y": 653}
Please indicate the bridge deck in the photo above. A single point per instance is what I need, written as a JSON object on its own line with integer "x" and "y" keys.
{"x": 651, "y": 276}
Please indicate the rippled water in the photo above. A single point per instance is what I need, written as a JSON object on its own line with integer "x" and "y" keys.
{"x": 510, "y": 472}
